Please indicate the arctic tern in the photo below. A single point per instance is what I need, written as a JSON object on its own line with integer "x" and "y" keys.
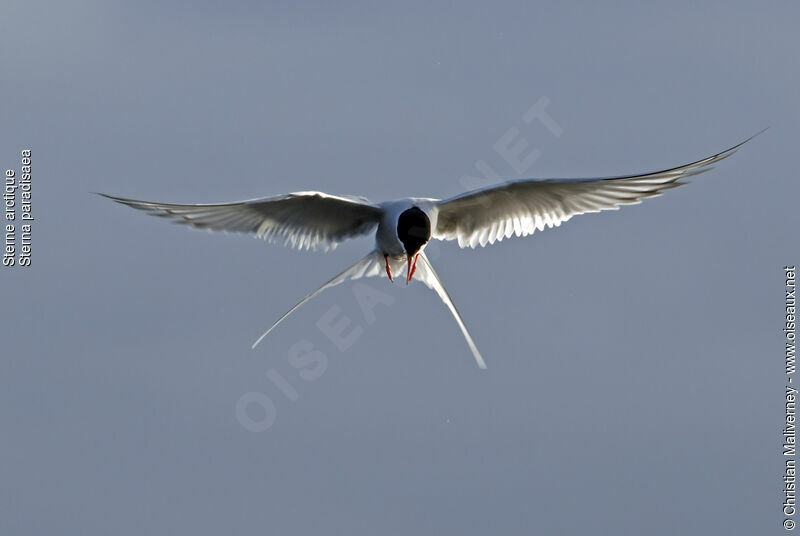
{"x": 320, "y": 221}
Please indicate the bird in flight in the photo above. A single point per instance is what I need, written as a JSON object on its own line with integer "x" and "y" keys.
{"x": 402, "y": 228}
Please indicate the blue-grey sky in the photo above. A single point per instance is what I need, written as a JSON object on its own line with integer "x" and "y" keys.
{"x": 635, "y": 374}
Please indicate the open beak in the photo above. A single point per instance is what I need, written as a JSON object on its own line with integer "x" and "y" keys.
{"x": 412, "y": 267}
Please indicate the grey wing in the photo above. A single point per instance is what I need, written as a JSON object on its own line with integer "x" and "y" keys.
{"x": 520, "y": 207}
{"x": 304, "y": 220}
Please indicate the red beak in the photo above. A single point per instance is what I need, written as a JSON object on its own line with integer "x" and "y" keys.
{"x": 412, "y": 267}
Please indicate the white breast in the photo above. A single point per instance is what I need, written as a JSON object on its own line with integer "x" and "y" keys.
{"x": 386, "y": 240}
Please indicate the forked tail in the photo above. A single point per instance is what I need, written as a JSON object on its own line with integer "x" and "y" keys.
{"x": 428, "y": 276}
{"x": 371, "y": 265}
{"x": 368, "y": 266}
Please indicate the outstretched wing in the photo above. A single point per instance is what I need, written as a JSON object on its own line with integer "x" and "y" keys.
{"x": 427, "y": 275}
{"x": 368, "y": 266}
{"x": 520, "y": 207}
{"x": 305, "y": 220}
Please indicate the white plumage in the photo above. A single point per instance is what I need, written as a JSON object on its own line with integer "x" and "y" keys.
{"x": 315, "y": 220}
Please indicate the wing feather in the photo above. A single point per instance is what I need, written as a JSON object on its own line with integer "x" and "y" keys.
{"x": 520, "y": 207}
{"x": 304, "y": 220}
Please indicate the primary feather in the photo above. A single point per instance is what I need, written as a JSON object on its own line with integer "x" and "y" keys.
{"x": 521, "y": 207}
{"x": 304, "y": 220}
